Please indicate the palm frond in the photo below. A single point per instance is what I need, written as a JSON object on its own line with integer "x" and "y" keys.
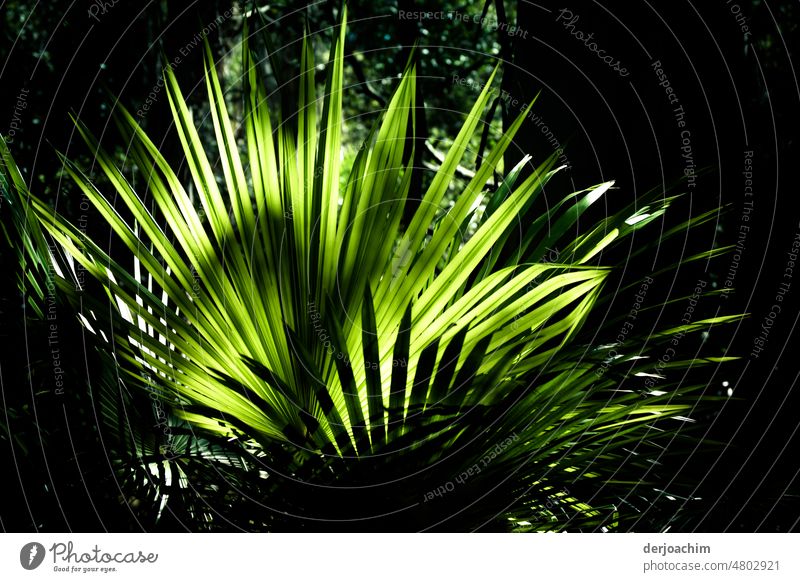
{"x": 282, "y": 310}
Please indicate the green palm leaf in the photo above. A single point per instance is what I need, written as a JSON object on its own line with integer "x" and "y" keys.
{"x": 278, "y": 310}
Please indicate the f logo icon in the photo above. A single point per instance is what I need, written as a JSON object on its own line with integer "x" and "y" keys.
{"x": 31, "y": 555}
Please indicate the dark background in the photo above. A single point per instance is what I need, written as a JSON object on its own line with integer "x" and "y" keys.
{"x": 738, "y": 92}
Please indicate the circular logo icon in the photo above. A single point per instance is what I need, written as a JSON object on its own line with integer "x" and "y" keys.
{"x": 31, "y": 555}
